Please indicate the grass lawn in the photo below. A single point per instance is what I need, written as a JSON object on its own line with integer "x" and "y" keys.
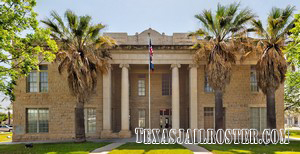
{"x": 293, "y": 147}
{"x": 139, "y": 148}
{"x": 4, "y": 136}
{"x": 295, "y": 133}
{"x": 52, "y": 148}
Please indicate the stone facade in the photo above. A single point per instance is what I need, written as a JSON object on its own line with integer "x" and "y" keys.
{"x": 116, "y": 98}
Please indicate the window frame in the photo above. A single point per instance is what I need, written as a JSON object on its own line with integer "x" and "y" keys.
{"x": 28, "y": 82}
{"x": 213, "y": 115}
{"x": 255, "y": 82}
{"x": 38, "y": 80}
{"x": 166, "y": 82}
{"x": 141, "y": 118}
{"x": 38, "y": 120}
{"x": 207, "y": 87}
{"x": 141, "y": 87}
{"x": 260, "y": 118}
{"x": 86, "y": 120}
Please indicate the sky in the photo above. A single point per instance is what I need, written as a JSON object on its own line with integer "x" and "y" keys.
{"x": 166, "y": 16}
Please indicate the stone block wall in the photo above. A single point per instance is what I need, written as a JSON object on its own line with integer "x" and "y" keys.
{"x": 61, "y": 105}
{"x": 237, "y": 99}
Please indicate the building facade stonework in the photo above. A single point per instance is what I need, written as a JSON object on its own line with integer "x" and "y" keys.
{"x": 180, "y": 95}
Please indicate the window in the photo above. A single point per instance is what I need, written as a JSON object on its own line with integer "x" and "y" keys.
{"x": 253, "y": 80}
{"x": 142, "y": 119}
{"x": 141, "y": 85}
{"x": 166, "y": 84}
{"x": 296, "y": 120}
{"x": 258, "y": 118}
{"x": 90, "y": 120}
{"x": 37, "y": 120}
{"x": 32, "y": 82}
{"x": 207, "y": 87}
{"x": 209, "y": 117}
{"x": 37, "y": 81}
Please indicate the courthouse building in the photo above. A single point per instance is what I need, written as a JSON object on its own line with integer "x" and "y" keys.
{"x": 180, "y": 94}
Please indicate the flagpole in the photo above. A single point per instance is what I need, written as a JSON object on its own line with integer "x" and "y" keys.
{"x": 149, "y": 84}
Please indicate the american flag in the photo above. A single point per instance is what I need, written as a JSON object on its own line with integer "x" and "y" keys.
{"x": 151, "y": 55}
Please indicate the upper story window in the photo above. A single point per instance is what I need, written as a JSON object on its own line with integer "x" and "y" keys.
{"x": 37, "y": 120}
{"x": 253, "y": 80}
{"x": 207, "y": 87}
{"x": 37, "y": 81}
{"x": 141, "y": 85}
{"x": 166, "y": 84}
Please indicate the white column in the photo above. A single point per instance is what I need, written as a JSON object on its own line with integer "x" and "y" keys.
{"x": 193, "y": 96}
{"x": 107, "y": 100}
{"x": 175, "y": 96}
{"x": 125, "y": 98}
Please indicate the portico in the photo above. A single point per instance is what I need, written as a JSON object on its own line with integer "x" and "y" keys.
{"x": 130, "y": 65}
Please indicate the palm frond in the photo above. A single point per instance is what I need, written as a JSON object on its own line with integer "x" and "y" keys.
{"x": 72, "y": 20}
{"x": 58, "y": 18}
{"x": 95, "y": 30}
{"x": 243, "y": 17}
{"x": 285, "y": 31}
{"x": 232, "y": 9}
{"x": 259, "y": 29}
{"x": 220, "y": 13}
{"x": 105, "y": 42}
{"x": 278, "y": 20}
{"x": 200, "y": 32}
{"x": 83, "y": 25}
{"x": 53, "y": 27}
{"x": 208, "y": 24}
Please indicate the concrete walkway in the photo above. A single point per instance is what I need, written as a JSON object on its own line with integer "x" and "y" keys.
{"x": 108, "y": 148}
{"x": 196, "y": 149}
{"x": 294, "y": 139}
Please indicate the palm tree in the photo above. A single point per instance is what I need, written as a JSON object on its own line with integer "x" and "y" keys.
{"x": 218, "y": 49}
{"x": 84, "y": 54}
{"x": 271, "y": 66}
{"x": 8, "y": 109}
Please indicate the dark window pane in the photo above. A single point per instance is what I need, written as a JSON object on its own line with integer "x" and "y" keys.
{"x": 32, "y": 85}
{"x": 43, "y": 120}
{"x": 166, "y": 84}
{"x": 43, "y": 67}
{"x": 32, "y": 120}
{"x": 90, "y": 120}
{"x": 207, "y": 87}
{"x": 43, "y": 81}
{"x": 253, "y": 80}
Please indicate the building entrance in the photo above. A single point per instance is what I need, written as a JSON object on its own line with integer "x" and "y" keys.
{"x": 165, "y": 118}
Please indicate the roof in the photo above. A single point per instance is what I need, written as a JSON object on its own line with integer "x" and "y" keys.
{"x": 156, "y": 38}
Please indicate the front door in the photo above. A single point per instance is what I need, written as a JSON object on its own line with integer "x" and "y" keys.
{"x": 165, "y": 118}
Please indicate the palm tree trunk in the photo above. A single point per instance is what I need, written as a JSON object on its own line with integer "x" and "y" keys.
{"x": 219, "y": 121}
{"x": 271, "y": 111}
{"x": 79, "y": 122}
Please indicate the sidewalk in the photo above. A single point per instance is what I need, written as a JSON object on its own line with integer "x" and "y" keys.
{"x": 107, "y": 149}
{"x": 196, "y": 149}
{"x": 294, "y": 139}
